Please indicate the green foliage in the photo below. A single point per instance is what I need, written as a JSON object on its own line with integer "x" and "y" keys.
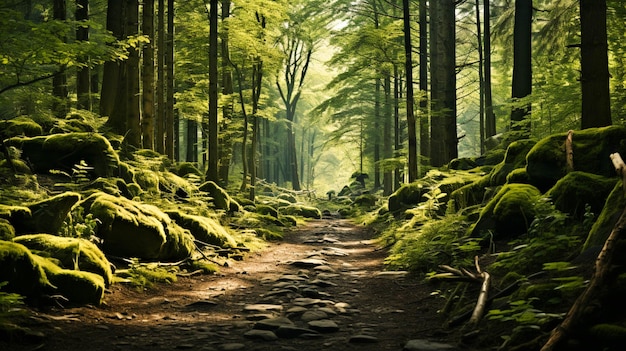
{"x": 522, "y": 312}
{"x": 144, "y": 276}
{"x": 11, "y": 306}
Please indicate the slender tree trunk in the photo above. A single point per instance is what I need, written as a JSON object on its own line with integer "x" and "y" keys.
{"x": 522, "y": 65}
{"x": 423, "y": 84}
{"x": 133, "y": 116}
{"x": 159, "y": 137}
{"x": 596, "y": 101}
{"x": 481, "y": 84}
{"x": 443, "y": 82}
{"x": 387, "y": 140}
{"x": 192, "y": 141}
{"x": 59, "y": 81}
{"x": 112, "y": 73}
{"x": 169, "y": 64}
{"x": 410, "y": 114}
{"x": 377, "y": 119}
{"x": 83, "y": 75}
{"x": 225, "y": 142}
{"x": 397, "y": 140}
{"x": 490, "y": 117}
{"x": 147, "y": 121}
{"x": 212, "y": 171}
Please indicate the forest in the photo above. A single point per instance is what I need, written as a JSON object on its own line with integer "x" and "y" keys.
{"x": 479, "y": 139}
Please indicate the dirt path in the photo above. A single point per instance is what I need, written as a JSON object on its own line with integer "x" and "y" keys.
{"x": 322, "y": 288}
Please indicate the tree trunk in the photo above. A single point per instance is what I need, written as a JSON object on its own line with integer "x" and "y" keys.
{"x": 387, "y": 140}
{"x": 410, "y": 114}
{"x": 59, "y": 81}
{"x": 481, "y": 84}
{"x": 596, "y": 102}
{"x": 169, "y": 64}
{"x": 423, "y": 83}
{"x": 83, "y": 75}
{"x": 147, "y": 121}
{"x": 192, "y": 141}
{"x": 113, "y": 83}
{"x": 225, "y": 143}
{"x": 522, "y": 65}
{"x": 377, "y": 119}
{"x": 212, "y": 171}
{"x": 159, "y": 137}
{"x": 397, "y": 139}
{"x": 443, "y": 82}
{"x": 490, "y": 117}
{"x": 133, "y": 114}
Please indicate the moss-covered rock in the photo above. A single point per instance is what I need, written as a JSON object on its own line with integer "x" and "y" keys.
{"x": 21, "y": 271}
{"x": 611, "y": 211}
{"x": 7, "y": 232}
{"x": 47, "y": 216}
{"x": 148, "y": 180}
{"x": 78, "y": 287}
{"x": 408, "y": 195}
{"x": 577, "y": 189}
{"x": 510, "y": 212}
{"x": 469, "y": 194}
{"x": 267, "y": 210}
{"x": 18, "y": 216}
{"x": 514, "y": 158}
{"x": 607, "y": 336}
{"x": 20, "y": 126}
{"x": 205, "y": 229}
{"x": 63, "y": 151}
{"x": 288, "y": 197}
{"x": 546, "y": 161}
{"x": 366, "y": 200}
{"x": 19, "y": 166}
{"x": 72, "y": 253}
{"x": 132, "y": 229}
{"x": 221, "y": 198}
{"x": 303, "y": 211}
{"x": 183, "y": 169}
{"x": 173, "y": 184}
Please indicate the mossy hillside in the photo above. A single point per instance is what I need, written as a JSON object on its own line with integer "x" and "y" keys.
{"x": 78, "y": 287}
{"x": 20, "y": 126}
{"x": 205, "y": 229}
{"x": 509, "y": 213}
{"x": 131, "y": 229}
{"x": 546, "y": 161}
{"x": 21, "y": 270}
{"x": 64, "y": 151}
{"x": 612, "y": 210}
{"x": 573, "y": 192}
{"x": 72, "y": 253}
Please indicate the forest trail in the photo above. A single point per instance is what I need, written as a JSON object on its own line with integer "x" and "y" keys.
{"x": 321, "y": 288}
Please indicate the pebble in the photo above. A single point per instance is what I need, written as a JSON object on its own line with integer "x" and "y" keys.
{"x": 324, "y": 326}
{"x": 426, "y": 345}
{"x": 272, "y": 323}
{"x": 287, "y": 331}
{"x": 266, "y": 335}
{"x": 262, "y": 308}
{"x": 313, "y": 315}
{"x": 232, "y": 347}
{"x": 363, "y": 339}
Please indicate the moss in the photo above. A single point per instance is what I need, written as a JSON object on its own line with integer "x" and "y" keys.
{"x": 491, "y": 157}
{"x": 577, "y": 189}
{"x": 48, "y": 215}
{"x": 510, "y": 212}
{"x": 408, "y": 194}
{"x": 18, "y": 216}
{"x": 267, "y": 210}
{"x": 183, "y": 169}
{"x": 267, "y": 234}
{"x": 288, "y": 221}
{"x": 179, "y": 244}
{"x": 7, "y": 232}
{"x": 73, "y": 124}
{"x": 366, "y": 200}
{"x": 518, "y": 175}
{"x": 608, "y": 334}
{"x": 78, "y": 287}
{"x": 20, "y": 269}
{"x": 20, "y": 167}
{"x": 148, "y": 180}
{"x": 63, "y": 151}
{"x": 288, "y": 197}
{"x": 173, "y": 184}
{"x": 612, "y": 210}
{"x": 303, "y": 211}
{"x": 72, "y": 253}
{"x": 205, "y": 229}
{"x": 591, "y": 148}
{"x": 469, "y": 194}
{"x": 221, "y": 199}
{"x": 126, "y": 172}
{"x": 20, "y": 126}
{"x": 514, "y": 158}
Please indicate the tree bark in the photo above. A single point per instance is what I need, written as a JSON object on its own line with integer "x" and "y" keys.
{"x": 169, "y": 97}
{"x": 522, "y": 65}
{"x": 596, "y": 101}
{"x": 490, "y": 117}
{"x": 113, "y": 82}
{"x": 423, "y": 84}
{"x": 147, "y": 120}
{"x": 387, "y": 140}
{"x": 133, "y": 114}
{"x": 410, "y": 113}
{"x": 59, "y": 81}
{"x": 159, "y": 137}
{"x": 225, "y": 143}
{"x": 83, "y": 75}
{"x": 213, "y": 161}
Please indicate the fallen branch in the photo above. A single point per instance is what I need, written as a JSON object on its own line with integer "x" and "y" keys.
{"x": 602, "y": 266}
{"x": 481, "y": 304}
{"x": 569, "y": 151}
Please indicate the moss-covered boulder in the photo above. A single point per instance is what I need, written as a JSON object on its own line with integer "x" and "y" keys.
{"x": 220, "y": 198}
{"x": 366, "y": 200}
{"x": 78, "y": 287}
{"x": 514, "y": 158}
{"x": 205, "y": 229}
{"x": 407, "y": 196}
{"x": 148, "y": 180}
{"x": 20, "y": 126}
{"x": 71, "y": 253}
{"x": 47, "y": 216}
{"x": 546, "y": 161}
{"x": 132, "y": 229}
{"x": 612, "y": 210}
{"x": 7, "y": 232}
{"x": 577, "y": 189}
{"x": 173, "y": 184}
{"x": 302, "y": 211}
{"x": 185, "y": 169}
{"x": 267, "y": 210}
{"x": 63, "y": 151}
{"x": 21, "y": 271}
{"x": 18, "y": 216}
{"x": 509, "y": 213}
{"x": 288, "y": 197}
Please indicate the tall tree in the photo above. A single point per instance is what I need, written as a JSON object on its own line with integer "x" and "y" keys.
{"x": 443, "y": 82}
{"x": 147, "y": 120}
{"x": 113, "y": 78}
{"x": 169, "y": 94}
{"x": 410, "y": 114}
{"x": 226, "y": 140}
{"x": 522, "y": 65}
{"x": 83, "y": 74}
{"x": 160, "y": 87}
{"x": 490, "y": 117}
{"x": 596, "y": 101}
{"x": 213, "y": 154}
{"x": 133, "y": 105}
{"x": 423, "y": 82}
{"x": 59, "y": 81}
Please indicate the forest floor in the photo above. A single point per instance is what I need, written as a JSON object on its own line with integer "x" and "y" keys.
{"x": 323, "y": 287}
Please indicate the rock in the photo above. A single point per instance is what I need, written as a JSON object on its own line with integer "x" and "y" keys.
{"x": 272, "y": 323}
{"x": 22, "y": 272}
{"x": 291, "y": 278}
{"x": 205, "y": 229}
{"x": 232, "y": 347}
{"x": 221, "y": 198}
{"x": 287, "y": 331}
{"x": 391, "y": 274}
{"x": 72, "y": 253}
{"x": 313, "y": 315}
{"x": 308, "y": 263}
{"x": 7, "y": 231}
{"x": 307, "y": 302}
{"x": 322, "y": 283}
{"x": 363, "y": 339}
{"x": 76, "y": 286}
{"x": 323, "y": 326}
{"x": 266, "y": 335}
{"x": 19, "y": 126}
{"x": 426, "y": 345}
{"x": 303, "y": 211}
{"x": 47, "y": 216}
{"x": 262, "y": 308}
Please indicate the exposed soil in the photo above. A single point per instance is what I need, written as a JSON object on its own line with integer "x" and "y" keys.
{"x": 208, "y": 312}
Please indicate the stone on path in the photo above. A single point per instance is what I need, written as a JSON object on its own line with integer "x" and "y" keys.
{"x": 262, "y": 308}
{"x": 392, "y": 274}
{"x": 260, "y": 334}
{"x": 308, "y": 263}
{"x": 363, "y": 339}
{"x": 287, "y": 331}
{"x": 426, "y": 345}
{"x": 232, "y": 347}
{"x": 313, "y": 316}
{"x": 324, "y": 326}
{"x": 272, "y": 323}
